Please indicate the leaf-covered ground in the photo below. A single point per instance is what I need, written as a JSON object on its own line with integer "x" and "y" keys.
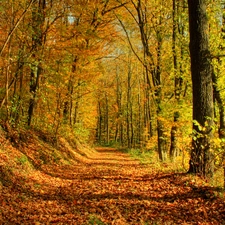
{"x": 106, "y": 187}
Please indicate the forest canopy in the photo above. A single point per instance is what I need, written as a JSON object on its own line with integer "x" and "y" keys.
{"x": 116, "y": 72}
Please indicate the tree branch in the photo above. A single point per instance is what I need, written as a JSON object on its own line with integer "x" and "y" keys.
{"x": 16, "y": 25}
{"x": 128, "y": 38}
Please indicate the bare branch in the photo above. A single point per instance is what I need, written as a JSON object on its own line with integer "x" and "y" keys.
{"x": 128, "y": 38}
{"x": 217, "y": 56}
{"x": 16, "y": 25}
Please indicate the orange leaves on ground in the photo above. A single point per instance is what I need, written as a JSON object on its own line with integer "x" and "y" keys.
{"x": 112, "y": 189}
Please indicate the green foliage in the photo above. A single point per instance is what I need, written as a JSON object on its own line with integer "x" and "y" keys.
{"x": 23, "y": 197}
{"x": 145, "y": 156}
{"x": 180, "y": 163}
{"x": 218, "y": 178}
{"x": 1, "y": 9}
{"x": 37, "y": 186}
{"x": 23, "y": 160}
{"x": 112, "y": 143}
{"x": 57, "y": 156}
{"x": 218, "y": 150}
{"x": 93, "y": 220}
{"x": 81, "y": 132}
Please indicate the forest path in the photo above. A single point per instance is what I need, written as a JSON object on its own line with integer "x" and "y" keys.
{"x": 110, "y": 188}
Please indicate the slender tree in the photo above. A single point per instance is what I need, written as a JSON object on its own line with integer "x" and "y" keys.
{"x": 178, "y": 60}
{"x": 153, "y": 67}
{"x": 38, "y": 19}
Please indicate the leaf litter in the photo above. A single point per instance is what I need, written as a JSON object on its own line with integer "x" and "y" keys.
{"x": 107, "y": 188}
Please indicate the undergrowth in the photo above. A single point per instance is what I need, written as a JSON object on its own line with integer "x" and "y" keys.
{"x": 98, "y": 186}
{"x": 179, "y": 164}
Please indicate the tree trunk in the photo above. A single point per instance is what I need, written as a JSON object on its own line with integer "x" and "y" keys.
{"x": 106, "y": 122}
{"x": 219, "y": 101}
{"x": 161, "y": 140}
{"x": 174, "y": 151}
{"x": 68, "y": 104}
{"x": 119, "y": 105}
{"x": 99, "y": 125}
{"x": 37, "y": 43}
{"x": 129, "y": 107}
{"x": 173, "y": 141}
{"x": 158, "y": 95}
{"x": 139, "y": 123}
{"x": 201, "y": 156}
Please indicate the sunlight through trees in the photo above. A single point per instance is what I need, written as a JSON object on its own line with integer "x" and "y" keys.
{"x": 118, "y": 73}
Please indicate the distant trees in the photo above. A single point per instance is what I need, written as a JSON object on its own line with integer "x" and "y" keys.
{"x": 116, "y": 72}
{"x": 153, "y": 65}
{"x": 150, "y": 27}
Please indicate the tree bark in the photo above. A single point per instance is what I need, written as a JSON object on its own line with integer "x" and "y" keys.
{"x": 218, "y": 99}
{"x": 153, "y": 67}
{"x": 38, "y": 19}
{"x": 174, "y": 129}
{"x": 178, "y": 29}
{"x": 203, "y": 113}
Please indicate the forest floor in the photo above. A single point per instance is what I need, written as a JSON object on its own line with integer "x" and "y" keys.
{"x": 105, "y": 186}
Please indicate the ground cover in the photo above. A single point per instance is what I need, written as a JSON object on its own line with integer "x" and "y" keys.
{"x": 99, "y": 186}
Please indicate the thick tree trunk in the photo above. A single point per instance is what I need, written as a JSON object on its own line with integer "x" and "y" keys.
{"x": 201, "y": 156}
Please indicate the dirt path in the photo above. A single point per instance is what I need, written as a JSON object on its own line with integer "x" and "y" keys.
{"x": 110, "y": 188}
